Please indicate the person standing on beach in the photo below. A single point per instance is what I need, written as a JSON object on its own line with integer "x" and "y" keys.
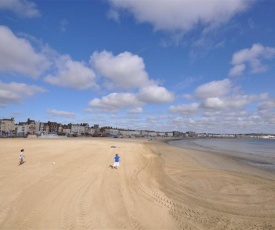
{"x": 21, "y": 157}
{"x": 116, "y": 163}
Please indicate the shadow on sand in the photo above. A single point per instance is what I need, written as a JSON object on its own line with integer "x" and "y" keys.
{"x": 22, "y": 162}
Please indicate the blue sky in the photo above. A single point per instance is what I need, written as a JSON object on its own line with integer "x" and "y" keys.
{"x": 164, "y": 65}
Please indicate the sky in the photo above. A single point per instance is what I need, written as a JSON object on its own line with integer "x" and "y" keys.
{"x": 206, "y": 66}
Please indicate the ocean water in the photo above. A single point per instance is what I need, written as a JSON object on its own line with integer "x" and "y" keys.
{"x": 252, "y": 151}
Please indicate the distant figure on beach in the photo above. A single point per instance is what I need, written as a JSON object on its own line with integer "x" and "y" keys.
{"x": 116, "y": 163}
{"x": 21, "y": 157}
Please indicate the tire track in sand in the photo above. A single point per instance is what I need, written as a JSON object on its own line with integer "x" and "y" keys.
{"x": 188, "y": 217}
{"x": 77, "y": 215}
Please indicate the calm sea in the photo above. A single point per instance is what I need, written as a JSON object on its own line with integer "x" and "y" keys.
{"x": 256, "y": 152}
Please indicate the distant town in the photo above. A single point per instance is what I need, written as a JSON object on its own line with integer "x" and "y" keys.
{"x": 32, "y": 128}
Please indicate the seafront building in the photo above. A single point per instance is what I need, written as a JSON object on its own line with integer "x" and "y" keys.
{"x": 9, "y": 128}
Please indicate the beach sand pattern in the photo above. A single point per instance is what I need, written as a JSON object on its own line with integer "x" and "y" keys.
{"x": 157, "y": 186}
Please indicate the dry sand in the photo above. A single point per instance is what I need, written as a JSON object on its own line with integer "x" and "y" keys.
{"x": 157, "y": 186}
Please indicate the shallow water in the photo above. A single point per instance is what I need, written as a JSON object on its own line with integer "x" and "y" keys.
{"x": 252, "y": 151}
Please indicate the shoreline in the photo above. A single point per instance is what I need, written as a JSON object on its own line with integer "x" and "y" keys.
{"x": 187, "y": 188}
{"x": 245, "y": 159}
{"x": 234, "y": 179}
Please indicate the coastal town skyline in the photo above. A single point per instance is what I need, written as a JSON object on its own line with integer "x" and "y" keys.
{"x": 140, "y": 65}
{"x": 11, "y": 128}
{"x": 51, "y": 129}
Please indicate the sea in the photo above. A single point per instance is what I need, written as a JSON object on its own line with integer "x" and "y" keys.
{"x": 258, "y": 152}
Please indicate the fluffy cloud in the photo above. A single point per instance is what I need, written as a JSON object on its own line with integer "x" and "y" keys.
{"x": 217, "y": 98}
{"x": 237, "y": 122}
{"x": 180, "y": 15}
{"x": 252, "y": 57}
{"x": 125, "y": 70}
{"x": 115, "y": 101}
{"x": 60, "y": 113}
{"x": 155, "y": 94}
{"x": 72, "y": 74}
{"x": 18, "y": 56}
{"x": 229, "y": 103}
{"x": 213, "y": 89}
{"x": 237, "y": 70}
{"x": 22, "y": 8}
{"x": 214, "y": 103}
{"x": 185, "y": 109}
{"x": 14, "y": 92}
{"x": 267, "y": 111}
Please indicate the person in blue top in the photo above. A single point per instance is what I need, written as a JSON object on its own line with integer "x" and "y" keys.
{"x": 116, "y": 163}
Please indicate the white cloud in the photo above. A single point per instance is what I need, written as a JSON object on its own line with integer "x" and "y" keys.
{"x": 125, "y": 70}
{"x": 266, "y": 110}
{"x": 60, "y": 113}
{"x": 214, "y": 89}
{"x": 187, "y": 109}
{"x": 182, "y": 15}
{"x": 240, "y": 122}
{"x": 233, "y": 102}
{"x": 135, "y": 110}
{"x": 155, "y": 94}
{"x": 267, "y": 105}
{"x": 22, "y": 8}
{"x": 72, "y": 74}
{"x": 14, "y": 92}
{"x": 237, "y": 70}
{"x": 18, "y": 56}
{"x": 116, "y": 101}
{"x": 252, "y": 57}
{"x": 218, "y": 105}
{"x": 214, "y": 103}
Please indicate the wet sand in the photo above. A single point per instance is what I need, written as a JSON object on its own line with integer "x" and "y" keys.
{"x": 157, "y": 186}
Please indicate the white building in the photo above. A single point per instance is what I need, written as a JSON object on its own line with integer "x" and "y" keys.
{"x": 7, "y": 127}
{"x": 152, "y": 133}
{"x": 24, "y": 128}
{"x": 169, "y": 134}
{"x": 79, "y": 129}
{"x": 21, "y": 129}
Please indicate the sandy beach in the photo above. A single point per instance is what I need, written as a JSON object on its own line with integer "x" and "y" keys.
{"x": 68, "y": 184}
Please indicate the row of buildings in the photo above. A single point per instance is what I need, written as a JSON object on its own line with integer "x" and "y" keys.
{"x": 9, "y": 128}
